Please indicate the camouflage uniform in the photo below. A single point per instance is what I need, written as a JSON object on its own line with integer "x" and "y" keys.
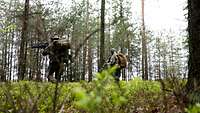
{"x": 56, "y": 63}
{"x": 113, "y": 61}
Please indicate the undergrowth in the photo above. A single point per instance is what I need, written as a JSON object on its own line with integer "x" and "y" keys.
{"x": 102, "y": 95}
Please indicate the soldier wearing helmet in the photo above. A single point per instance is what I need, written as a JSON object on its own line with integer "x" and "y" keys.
{"x": 113, "y": 61}
{"x": 56, "y": 64}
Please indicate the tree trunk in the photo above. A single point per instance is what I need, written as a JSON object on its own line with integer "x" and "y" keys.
{"x": 84, "y": 60}
{"x": 194, "y": 45}
{"x": 159, "y": 57}
{"x": 5, "y": 55}
{"x": 11, "y": 55}
{"x": 89, "y": 60}
{"x": 144, "y": 48}
{"x": 12, "y": 43}
{"x": 24, "y": 35}
{"x": 85, "y": 48}
{"x": 102, "y": 34}
{"x": 150, "y": 66}
{"x": 39, "y": 33}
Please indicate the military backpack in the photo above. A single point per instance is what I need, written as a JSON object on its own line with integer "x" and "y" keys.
{"x": 121, "y": 60}
{"x": 62, "y": 48}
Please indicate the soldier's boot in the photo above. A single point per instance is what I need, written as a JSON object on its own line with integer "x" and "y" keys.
{"x": 51, "y": 79}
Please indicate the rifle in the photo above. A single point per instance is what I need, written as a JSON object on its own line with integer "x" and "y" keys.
{"x": 40, "y": 45}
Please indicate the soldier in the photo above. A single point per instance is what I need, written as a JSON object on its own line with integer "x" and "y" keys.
{"x": 113, "y": 61}
{"x": 56, "y": 60}
{"x": 119, "y": 60}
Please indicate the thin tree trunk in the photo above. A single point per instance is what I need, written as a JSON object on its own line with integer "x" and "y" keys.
{"x": 40, "y": 32}
{"x": 102, "y": 34}
{"x": 159, "y": 57}
{"x": 150, "y": 67}
{"x": 171, "y": 58}
{"x": 159, "y": 65}
{"x": 85, "y": 47}
{"x": 85, "y": 50}
{"x": 12, "y": 46}
{"x": 89, "y": 47}
{"x": 5, "y": 58}
{"x": 90, "y": 61}
{"x": 11, "y": 55}
{"x": 84, "y": 61}
{"x": 23, "y": 44}
{"x": 144, "y": 48}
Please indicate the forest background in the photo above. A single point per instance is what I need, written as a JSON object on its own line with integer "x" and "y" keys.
{"x": 159, "y": 37}
{"x": 165, "y": 32}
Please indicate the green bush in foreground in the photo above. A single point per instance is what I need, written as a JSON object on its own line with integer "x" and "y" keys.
{"x": 103, "y": 95}
{"x": 194, "y": 109}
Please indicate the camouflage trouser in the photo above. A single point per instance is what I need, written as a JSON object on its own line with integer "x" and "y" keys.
{"x": 56, "y": 67}
{"x": 117, "y": 74}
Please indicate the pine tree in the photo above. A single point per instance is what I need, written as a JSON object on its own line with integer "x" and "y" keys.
{"x": 102, "y": 34}
{"x": 194, "y": 45}
{"x": 144, "y": 48}
{"x": 23, "y": 43}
